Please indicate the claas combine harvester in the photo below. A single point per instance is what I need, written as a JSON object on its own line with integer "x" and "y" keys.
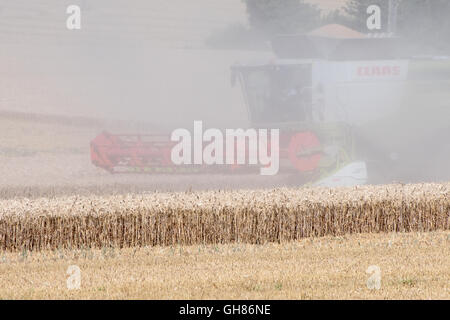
{"x": 318, "y": 91}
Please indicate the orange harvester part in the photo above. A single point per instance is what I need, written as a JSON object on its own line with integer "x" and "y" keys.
{"x": 136, "y": 153}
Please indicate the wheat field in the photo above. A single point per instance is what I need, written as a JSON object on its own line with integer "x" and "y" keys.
{"x": 220, "y": 217}
{"x": 287, "y": 243}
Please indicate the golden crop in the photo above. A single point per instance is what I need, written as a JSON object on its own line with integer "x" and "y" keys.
{"x": 212, "y": 217}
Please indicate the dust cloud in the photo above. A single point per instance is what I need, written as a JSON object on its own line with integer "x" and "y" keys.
{"x": 145, "y": 67}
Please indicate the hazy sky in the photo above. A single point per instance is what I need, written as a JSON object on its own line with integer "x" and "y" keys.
{"x": 137, "y": 60}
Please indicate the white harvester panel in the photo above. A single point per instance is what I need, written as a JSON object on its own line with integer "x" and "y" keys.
{"x": 358, "y": 91}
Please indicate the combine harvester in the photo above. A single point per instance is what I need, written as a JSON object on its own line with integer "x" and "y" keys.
{"x": 319, "y": 90}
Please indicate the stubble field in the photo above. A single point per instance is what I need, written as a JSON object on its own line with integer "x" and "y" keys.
{"x": 407, "y": 265}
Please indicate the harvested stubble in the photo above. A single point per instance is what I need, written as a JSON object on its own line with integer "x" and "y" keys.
{"x": 212, "y": 217}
